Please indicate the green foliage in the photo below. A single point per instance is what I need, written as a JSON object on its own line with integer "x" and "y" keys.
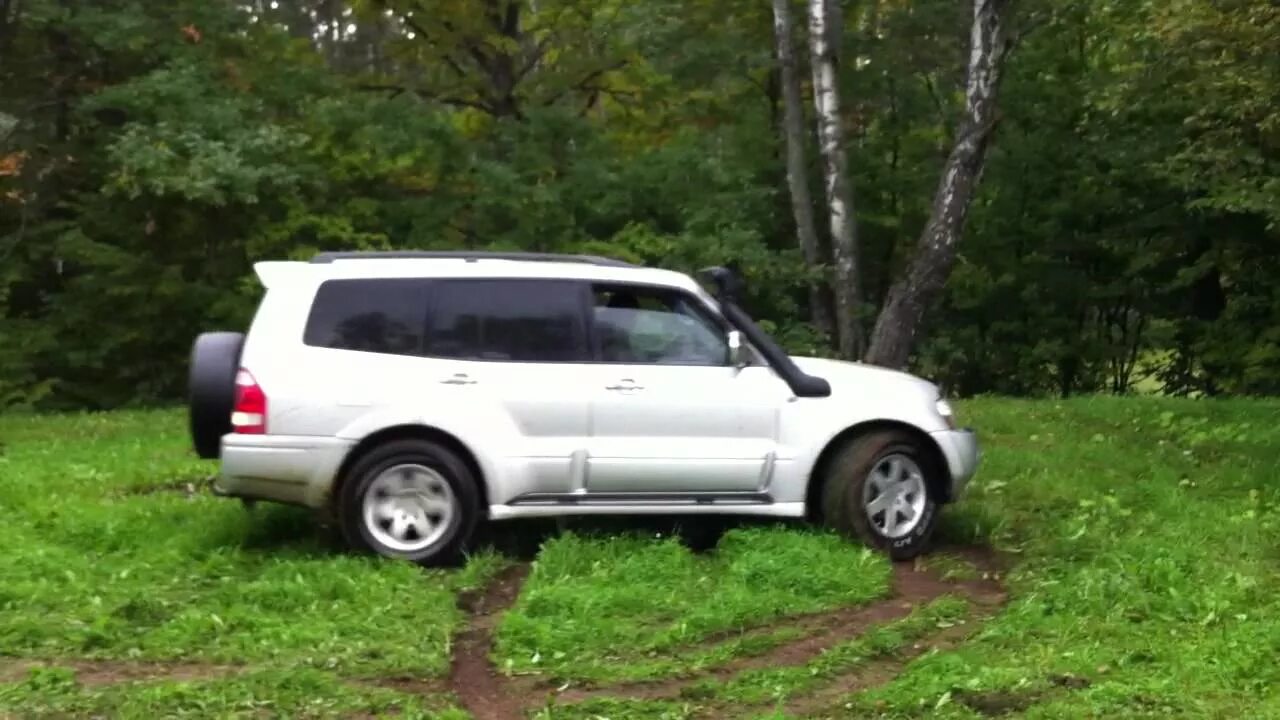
{"x": 1123, "y": 212}
{"x": 1125, "y": 235}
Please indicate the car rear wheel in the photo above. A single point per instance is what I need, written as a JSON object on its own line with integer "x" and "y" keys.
{"x": 412, "y": 500}
{"x": 878, "y": 488}
{"x": 211, "y": 387}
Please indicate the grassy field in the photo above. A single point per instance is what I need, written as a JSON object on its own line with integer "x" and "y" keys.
{"x": 1137, "y": 554}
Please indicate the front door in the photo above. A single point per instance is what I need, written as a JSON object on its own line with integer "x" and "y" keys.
{"x": 669, "y": 414}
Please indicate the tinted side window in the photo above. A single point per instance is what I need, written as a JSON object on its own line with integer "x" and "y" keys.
{"x": 507, "y": 320}
{"x": 638, "y": 325}
{"x": 381, "y": 316}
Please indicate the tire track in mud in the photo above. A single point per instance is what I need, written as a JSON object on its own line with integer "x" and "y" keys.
{"x": 489, "y": 695}
{"x": 912, "y": 587}
{"x": 479, "y": 687}
{"x": 97, "y": 673}
{"x": 883, "y": 669}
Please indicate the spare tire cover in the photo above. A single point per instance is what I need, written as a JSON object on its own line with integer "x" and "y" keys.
{"x": 215, "y": 360}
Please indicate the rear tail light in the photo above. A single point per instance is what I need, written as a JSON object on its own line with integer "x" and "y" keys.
{"x": 249, "y": 416}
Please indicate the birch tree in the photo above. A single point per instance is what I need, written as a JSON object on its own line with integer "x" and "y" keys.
{"x": 793, "y": 137}
{"x": 824, "y": 27}
{"x": 898, "y": 325}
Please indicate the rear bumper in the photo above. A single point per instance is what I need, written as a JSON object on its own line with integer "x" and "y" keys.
{"x": 960, "y": 450}
{"x": 298, "y": 470}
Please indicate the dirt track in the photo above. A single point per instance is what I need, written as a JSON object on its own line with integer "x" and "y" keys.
{"x": 488, "y": 695}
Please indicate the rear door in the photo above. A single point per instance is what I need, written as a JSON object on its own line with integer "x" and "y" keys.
{"x": 669, "y": 413}
{"x": 519, "y": 345}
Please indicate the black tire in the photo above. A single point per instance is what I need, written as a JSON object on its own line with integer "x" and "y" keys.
{"x": 701, "y": 533}
{"x": 211, "y": 387}
{"x": 846, "y": 480}
{"x": 444, "y": 462}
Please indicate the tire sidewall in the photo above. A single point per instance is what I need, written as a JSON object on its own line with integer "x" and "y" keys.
{"x": 211, "y": 389}
{"x": 852, "y": 473}
{"x": 461, "y": 481}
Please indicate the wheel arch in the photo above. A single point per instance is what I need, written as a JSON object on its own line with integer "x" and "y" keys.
{"x": 817, "y": 475}
{"x": 411, "y": 432}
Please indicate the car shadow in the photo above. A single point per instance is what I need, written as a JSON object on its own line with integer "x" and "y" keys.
{"x": 522, "y": 539}
{"x": 274, "y": 528}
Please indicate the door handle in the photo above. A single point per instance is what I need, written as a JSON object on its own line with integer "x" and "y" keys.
{"x": 624, "y": 385}
{"x": 458, "y": 379}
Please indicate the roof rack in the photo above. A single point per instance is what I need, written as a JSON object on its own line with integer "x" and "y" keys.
{"x": 468, "y": 255}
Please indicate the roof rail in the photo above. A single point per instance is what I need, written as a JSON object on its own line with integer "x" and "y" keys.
{"x": 468, "y": 255}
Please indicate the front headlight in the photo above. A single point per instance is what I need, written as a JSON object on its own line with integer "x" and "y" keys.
{"x": 944, "y": 409}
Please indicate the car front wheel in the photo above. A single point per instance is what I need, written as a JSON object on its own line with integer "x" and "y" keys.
{"x": 878, "y": 489}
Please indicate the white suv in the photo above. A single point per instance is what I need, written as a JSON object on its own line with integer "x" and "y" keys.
{"x": 416, "y": 393}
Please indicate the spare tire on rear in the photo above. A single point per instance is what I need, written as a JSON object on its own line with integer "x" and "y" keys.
{"x": 211, "y": 384}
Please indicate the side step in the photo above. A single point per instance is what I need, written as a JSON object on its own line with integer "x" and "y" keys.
{"x": 643, "y": 498}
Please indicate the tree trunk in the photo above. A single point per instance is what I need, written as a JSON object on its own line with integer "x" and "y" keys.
{"x": 844, "y": 236}
{"x": 797, "y": 174}
{"x": 9, "y": 12}
{"x": 899, "y": 322}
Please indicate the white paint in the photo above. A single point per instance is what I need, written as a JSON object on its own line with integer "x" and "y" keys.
{"x": 568, "y": 428}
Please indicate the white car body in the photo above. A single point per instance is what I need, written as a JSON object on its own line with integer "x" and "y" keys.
{"x": 560, "y": 438}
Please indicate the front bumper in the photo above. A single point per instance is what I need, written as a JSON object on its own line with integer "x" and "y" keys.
{"x": 298, "y": 470}
{"x": 960, "y": 450}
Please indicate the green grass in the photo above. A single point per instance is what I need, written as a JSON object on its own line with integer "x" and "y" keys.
{"x": 782, "y": 683}
{"x": 1145, "y": 534}
{"x": 54, "y": 692}
{"x": 763, "y": 687}
{"x": 617, "y": 607}
{"x": 96, "y": 570}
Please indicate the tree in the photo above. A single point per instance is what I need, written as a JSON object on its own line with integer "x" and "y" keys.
{"x": 503, "y": 57}
{"x": 898, "y": 324}
{"x": 793, "y": 138}
{"x": 1125, "y": 234}
{"x": 824, "y": 25}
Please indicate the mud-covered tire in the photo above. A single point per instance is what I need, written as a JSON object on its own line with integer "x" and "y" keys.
{"x": 211, "y": 389}
{"x": 845, "y": 492}
{"x": 441, "y": 478}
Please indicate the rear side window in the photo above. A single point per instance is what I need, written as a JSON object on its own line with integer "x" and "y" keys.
{"x": 507, "y": 320}
{"x": 380, "y": 316}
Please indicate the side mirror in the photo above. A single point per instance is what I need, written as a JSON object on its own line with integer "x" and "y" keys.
{"x": 738, "y": 356}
